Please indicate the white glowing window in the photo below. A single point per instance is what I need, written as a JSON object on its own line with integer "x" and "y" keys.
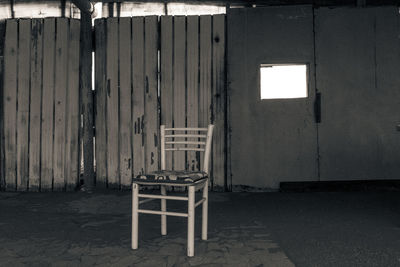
{"x": 283, "y": 81}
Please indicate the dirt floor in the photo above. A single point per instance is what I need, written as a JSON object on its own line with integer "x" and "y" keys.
{"x": 245, "y": 229}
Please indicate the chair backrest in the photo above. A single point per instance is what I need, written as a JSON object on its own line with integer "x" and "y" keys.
{"x": 187, "y": 139}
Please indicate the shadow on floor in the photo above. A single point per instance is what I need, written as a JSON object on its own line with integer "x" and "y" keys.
{"x": 245, "y": 229}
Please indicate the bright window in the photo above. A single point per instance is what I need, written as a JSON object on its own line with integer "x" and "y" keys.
{"x": 283, "y": 81}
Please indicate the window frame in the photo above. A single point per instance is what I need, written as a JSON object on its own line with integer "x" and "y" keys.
{"x": 263, "y": 65}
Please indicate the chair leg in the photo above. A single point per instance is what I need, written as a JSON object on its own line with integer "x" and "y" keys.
{"x": 191, "y": 215}
{"x": 163, "y": 208}
{"x": 135, "y": 221}
{"x": 204, "y": 223}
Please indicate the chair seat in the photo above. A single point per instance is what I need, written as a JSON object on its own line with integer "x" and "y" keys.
{"x": 171, "y": 177}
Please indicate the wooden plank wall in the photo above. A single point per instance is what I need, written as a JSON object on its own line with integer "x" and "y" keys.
{"x": 41, "y": 104}
{"x": 151, "y": 71}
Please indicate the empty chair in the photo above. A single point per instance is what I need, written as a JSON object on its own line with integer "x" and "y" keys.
{"x": 176, "y": 140}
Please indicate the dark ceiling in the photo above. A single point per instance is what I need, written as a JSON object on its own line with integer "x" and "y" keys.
{"x": 254, "y": 2}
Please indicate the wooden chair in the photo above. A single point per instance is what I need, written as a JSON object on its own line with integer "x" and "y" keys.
{"x": 176, "y": 140}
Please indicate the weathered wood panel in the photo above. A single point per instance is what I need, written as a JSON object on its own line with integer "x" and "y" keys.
{"x": 192, "y": 84}
{"x": 112, "y": 103}
{"x": 41, "y": 103}
{"x": 138, "y": 95}
{"x": 219, "y": 101}
{"x": 151, "y": 122}
{"x": 73, "y": 114}
{"x": 166, "y": 79}
{"x": 24, "y": 38}
{"x": 60, "y": 98}
{"x": 46, "y": 181}
{"x": 205, "y": 68}
{"x": 10, "y": 103}
{"x": 100, "y": 103}
{"x": 35, "y": 103}
{"x": 125, "y": 112}
{"x": 179, "y": 102}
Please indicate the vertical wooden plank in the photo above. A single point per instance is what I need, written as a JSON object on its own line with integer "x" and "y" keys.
{"x": 192, "y": 78}
{"x": 151, "y": 123}
{"x": 24, "y": 38}
{"x": 166, "y": 86}
{"x": 46, "y": 175}
{"x": 2, "y": 41}
{"x": 228, "y": 113}
{"x": 10, "y": 103}
{"x": 86, "y": 97}
{"x": 72, "y": 132}
{"x": 100, "y": 87}
{"x": 138, "y": 94}
{"x": 179, "y": 102}
{"x": 35, "y": 103}
{"x": 219, "y": 100}
{"x": 205, "y": 80}
{"x": 60, "y": 98}
{"x": 112, "y": 103}
{"x": 125, "y": 112}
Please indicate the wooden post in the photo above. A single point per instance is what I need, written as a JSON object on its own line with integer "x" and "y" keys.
{"x": 87, "y": 98}
{"x": 2, "y": 38}
{"x": 85, "y": 6}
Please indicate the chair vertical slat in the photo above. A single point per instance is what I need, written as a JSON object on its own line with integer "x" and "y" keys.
{"x": 208, "y": 149}
{"x": 162, "y": 133}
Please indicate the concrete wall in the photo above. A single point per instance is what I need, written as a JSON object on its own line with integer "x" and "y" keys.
{"x": 357, "y": 59}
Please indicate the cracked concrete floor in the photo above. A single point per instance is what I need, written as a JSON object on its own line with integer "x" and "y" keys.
{"x": 245, "y": 229}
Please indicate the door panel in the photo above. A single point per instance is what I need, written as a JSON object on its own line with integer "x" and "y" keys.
{"x": 271, "y": 140}
{"x": 357, "y": 60}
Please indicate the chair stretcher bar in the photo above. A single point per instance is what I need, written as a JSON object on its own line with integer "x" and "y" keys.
{"x": 168, "y": 213}
{"x": 199, "y": 202}
{"x": 186, "y": 129}
{"x": 146, "y": 200}
{"x": 163, "y": 197}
